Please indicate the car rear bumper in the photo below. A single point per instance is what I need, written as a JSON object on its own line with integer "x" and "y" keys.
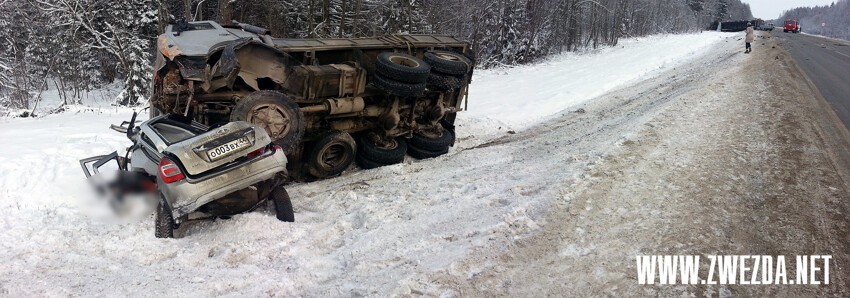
{"x": 187, "y": 195}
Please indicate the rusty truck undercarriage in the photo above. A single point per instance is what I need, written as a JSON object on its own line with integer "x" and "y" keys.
{"x": 328, "y": 102}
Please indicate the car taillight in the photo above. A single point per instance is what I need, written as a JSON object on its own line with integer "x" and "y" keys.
{"x": 257, "y": 152}
{"x": 169, "y": 171}
{"x": 276, "y": 147}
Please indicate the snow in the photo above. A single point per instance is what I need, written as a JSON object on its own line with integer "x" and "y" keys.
{"x": 365, "y": 233}
{"x": 520, "y": 97}
{"x": 51, "y": 99}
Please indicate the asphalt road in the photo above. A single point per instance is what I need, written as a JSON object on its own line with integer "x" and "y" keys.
{"x": 827, "y": 63}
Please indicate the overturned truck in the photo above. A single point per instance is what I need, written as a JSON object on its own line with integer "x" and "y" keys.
{"x": 327, "y": 102}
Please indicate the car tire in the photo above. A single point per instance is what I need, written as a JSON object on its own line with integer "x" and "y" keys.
{"x": 397, "y": 88}
{"x": 367, "y": 164}
{"x": 164, "y": 221}
{"x": 445, "y": 140}
{"x": 420, "y": 153}
{"x": 448, "y": 62}
{"x": 282, "y": 204}
{"x": 367, "y": 149}
{"x": 402, "y": 67}
{"x": 331, "y": 155}
{"x": 279, "y": 115}
{"x": 444, "y": 82}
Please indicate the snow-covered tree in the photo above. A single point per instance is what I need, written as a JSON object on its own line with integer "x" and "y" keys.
{"x": 77, "y": 45}
{"x": 121, "y": 29}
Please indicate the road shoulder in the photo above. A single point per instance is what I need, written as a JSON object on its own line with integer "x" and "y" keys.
{"x": 830, "y": 127}
{"x": 741, "y": 164}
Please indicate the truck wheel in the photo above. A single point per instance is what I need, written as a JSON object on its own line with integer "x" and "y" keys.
{"x": 368, "y": 164}
{"x": 402, "y": 67}
{"x": 164, "y": 222}
{"x": 448, "y": 62}
{"x": 391, "y": 154}
{"x": 276, "y": 113}
{"x": 445, "y": 82}
{"x": 420, "y": 153}
{"x": 398, "y": 88}
{"x": 331, "y": 155}
{"x": 282, "y": 204}
{"x": 432, "y": 142}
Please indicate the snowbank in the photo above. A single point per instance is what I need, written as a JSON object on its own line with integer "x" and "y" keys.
{"x": 50, "y": 99}
{"x": 522, "y": 96}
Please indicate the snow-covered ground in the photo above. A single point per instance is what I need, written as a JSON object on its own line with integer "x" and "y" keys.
{"x": 49, "y": 100}
{"x": 523, "y": 96}
{"x": 372, "y": 232}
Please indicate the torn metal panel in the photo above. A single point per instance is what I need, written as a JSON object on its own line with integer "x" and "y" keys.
{"x": 192, "y": 68}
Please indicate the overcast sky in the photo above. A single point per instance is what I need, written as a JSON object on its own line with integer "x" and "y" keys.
{"x": 771, "y": 9}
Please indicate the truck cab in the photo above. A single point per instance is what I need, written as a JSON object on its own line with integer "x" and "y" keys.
{"x": 792, "y": 26}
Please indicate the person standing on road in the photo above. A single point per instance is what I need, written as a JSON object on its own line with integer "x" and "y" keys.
{"x": 751, "y": 36}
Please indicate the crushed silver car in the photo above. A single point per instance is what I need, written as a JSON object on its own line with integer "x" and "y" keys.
{"x": 198, "y": 172}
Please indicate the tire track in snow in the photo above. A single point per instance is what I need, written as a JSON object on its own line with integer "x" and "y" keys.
{"x": 731, "y": 167}
{"x": 518, "y": 178}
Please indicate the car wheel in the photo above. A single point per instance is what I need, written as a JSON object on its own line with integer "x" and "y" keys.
{"x": 397, "y": 88}
{"x": 331, "y": 155}
{"x": 402, "y": 67}
{"x": 391, "y": 153}
{"x": 276, "y": 113}
{"x": 445, "y": 82}
{"x": 432, "y": 141}
{"x": 282, "y": 204}
{"x": 164, "y": 222}
{"x": 448, "y": 62}
{"x": 420, "y": 153}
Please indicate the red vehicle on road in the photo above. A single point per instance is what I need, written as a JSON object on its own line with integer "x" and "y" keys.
{"x": 792, "y": 26}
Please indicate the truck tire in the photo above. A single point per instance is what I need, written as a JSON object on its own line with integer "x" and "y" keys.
{"x": 445, "y": 140}
{"x": 276, "y": 113}
{"x": 282, "y": 204}
{"x": 402, "y": 67}
{"x": 331, "y": 155}
{"x": 420, "y": 153}
{"x": 164, "y": 221}
{"x": 367, "y": 149}
{"x": 397, "y": 88}
{"x": 448, "y": 62}
{"x": 368, "y": 164}
{"x": 443, "y": 82}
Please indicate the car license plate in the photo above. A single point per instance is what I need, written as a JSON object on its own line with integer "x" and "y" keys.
{"x": 228, "y": 148}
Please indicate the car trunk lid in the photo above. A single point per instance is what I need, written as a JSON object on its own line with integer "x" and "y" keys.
{"x": 219, "y": 146}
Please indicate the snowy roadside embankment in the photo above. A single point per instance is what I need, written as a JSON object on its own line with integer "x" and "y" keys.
{"x": 522, "y": 96}
{"x": 365, "y": 233}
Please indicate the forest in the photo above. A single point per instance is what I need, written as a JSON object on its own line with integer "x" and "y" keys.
{"x": 829, "y": 20}
{"x": 80, "y": 45}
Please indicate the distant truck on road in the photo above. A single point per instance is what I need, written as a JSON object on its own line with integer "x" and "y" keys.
{"x": 792, "y": 26}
